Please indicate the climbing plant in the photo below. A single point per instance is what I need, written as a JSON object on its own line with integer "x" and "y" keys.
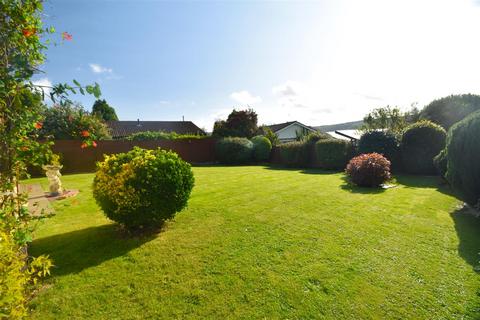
{"x": 23, "y": 41}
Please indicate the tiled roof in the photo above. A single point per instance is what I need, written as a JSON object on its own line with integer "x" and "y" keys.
{"x": 280, "y": 126}
{"x": 120, "y": 129}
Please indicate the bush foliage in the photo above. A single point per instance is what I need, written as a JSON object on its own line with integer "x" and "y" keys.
{"x": 421, "y": 142}
{"x": 160, "y": 135}
{"x": 261, "y": 148}
{"x": 449, "y": 110}
{"x": 12, "y": 279}
{"x": 332, "y": 153}
{"x": 293, "y": 154}
{"x": 463, "y": 156}
{"x": 440, "y": 162}
{"x": 104, "y": 111}
{"x": 71, "y": 122}
{"x": 382, "y": 142}
{"x": 313, "y": 137}
{"x": 142, "y": 188}
{"x": 241, "y": 123}
{"x": 234, "y": 150}
{"x": 369, "y": 170}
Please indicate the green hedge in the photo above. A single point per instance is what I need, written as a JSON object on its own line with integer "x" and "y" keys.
{"x": 421, "y": 142}
{"x": 440, "y": 162}
{"x": 381, "y": 142}
{"x": 234, "y": 150}
{"x": 160, "y": 135}
{"x": 293, "y": 154}
{"x": 463, "y": 157}
{"x": 332, "y": 154}
{"x": 261, "y": 148}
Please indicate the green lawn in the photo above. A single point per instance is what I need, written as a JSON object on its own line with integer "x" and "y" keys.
{"x": 257, "y": 243}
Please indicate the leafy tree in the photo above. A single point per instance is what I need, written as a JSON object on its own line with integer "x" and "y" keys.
{"x": 104, "y": 111}
{"x": 242, "y": 123}
{"x": 449, "y": 110}
{"x": 389, "y": 118}
{"x": 22, "y": 39}
{"x": 72, "y": 121}
{"x": 269, "y": 134}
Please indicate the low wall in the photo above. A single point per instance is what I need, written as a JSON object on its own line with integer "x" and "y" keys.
{"x": 78, "y": 160}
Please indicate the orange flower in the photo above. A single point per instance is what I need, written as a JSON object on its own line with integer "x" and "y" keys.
{"x": 84, "y": 145}
{"x": 66, "y": 36}
{"x": 38, "y": 125}
{"x": 85, "y": 133}
{"x": 24, "y": 148}
{"x": 28, "y": 32}
{"x": 94, "y": 144}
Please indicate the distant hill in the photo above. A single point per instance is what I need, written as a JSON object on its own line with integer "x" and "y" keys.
{"x": 340, "y": 126}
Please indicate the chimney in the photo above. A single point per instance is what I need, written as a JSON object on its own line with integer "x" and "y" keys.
{"x": 183, "y": 118}
{"x": 138, "y": 122}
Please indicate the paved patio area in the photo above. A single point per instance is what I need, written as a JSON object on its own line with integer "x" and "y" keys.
{"x": 37, "y": 201}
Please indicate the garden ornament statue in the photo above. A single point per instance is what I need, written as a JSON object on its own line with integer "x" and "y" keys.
{"x": 53, "y": 175}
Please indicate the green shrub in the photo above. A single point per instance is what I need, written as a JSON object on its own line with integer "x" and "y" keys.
{"x": 293, "y": 154}
{"x": 332, "y": 153}
{"x": 142, "y": 188}
{"x": 69, "y": 121}
{"x": 13, "y": 279}
{"x": 261, "y": 148}
{"x": 234, "y": 150}
{"x": 440, "y": 162}
{"x": 269, "y": 134}
{"x": 369, "y": 170}
{"x": 449, "y": 110}
{"x": 313, "y": 137}
{"x": 421, "y": 142}
{"x": 160, "y": 135}
{"x": 381, "y": 142}
{"x": 463, "y": 156}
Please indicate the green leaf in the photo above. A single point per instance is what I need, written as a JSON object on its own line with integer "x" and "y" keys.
{"x": 76, "y": 82}
{"x": 96, "y": 91}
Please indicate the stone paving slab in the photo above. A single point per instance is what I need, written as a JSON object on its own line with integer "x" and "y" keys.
{"x": 38, "y": 203}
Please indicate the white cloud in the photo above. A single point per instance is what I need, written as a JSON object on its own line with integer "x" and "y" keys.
{"x": 245, "y": 98}
{"x": 44, "y": 84}
{"x": 97, "y": 68}
{"x": 289, "y": 88}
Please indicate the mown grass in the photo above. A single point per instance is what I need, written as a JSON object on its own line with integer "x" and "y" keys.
{"x": 258, "y": 242}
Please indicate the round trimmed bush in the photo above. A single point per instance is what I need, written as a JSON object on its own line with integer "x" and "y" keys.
{"x": 332, "y": 153}
{"x": 381, "y": 142}
{"x": 261, "y": 148}
{"x": 463, "y": 157}
{"x": 369, "y": 170}
{"x": 234, "y": 150}
{"x": 421, "y": 142}
{"x": 142, "y": 188}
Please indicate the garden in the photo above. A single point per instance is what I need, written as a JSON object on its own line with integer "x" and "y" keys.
{"x": 263, "y": 242}
{"x": 383, "y": 227}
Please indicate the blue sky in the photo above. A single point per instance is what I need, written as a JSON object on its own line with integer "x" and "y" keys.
{"x": 316, "y": 62}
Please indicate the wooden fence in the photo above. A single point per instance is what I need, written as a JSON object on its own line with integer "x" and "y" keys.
{"x": 78, "y": 160}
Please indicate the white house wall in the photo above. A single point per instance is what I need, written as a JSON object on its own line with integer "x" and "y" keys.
{"x": 290, "y": 133}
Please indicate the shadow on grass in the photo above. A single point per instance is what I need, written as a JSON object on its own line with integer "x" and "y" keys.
{"x": 413, "y": 181}
{"x": 75, "y": 251}
{"x": 301, "y": 170}
{"x": 348, "y": 186}
{"x": 468, "y": 232}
